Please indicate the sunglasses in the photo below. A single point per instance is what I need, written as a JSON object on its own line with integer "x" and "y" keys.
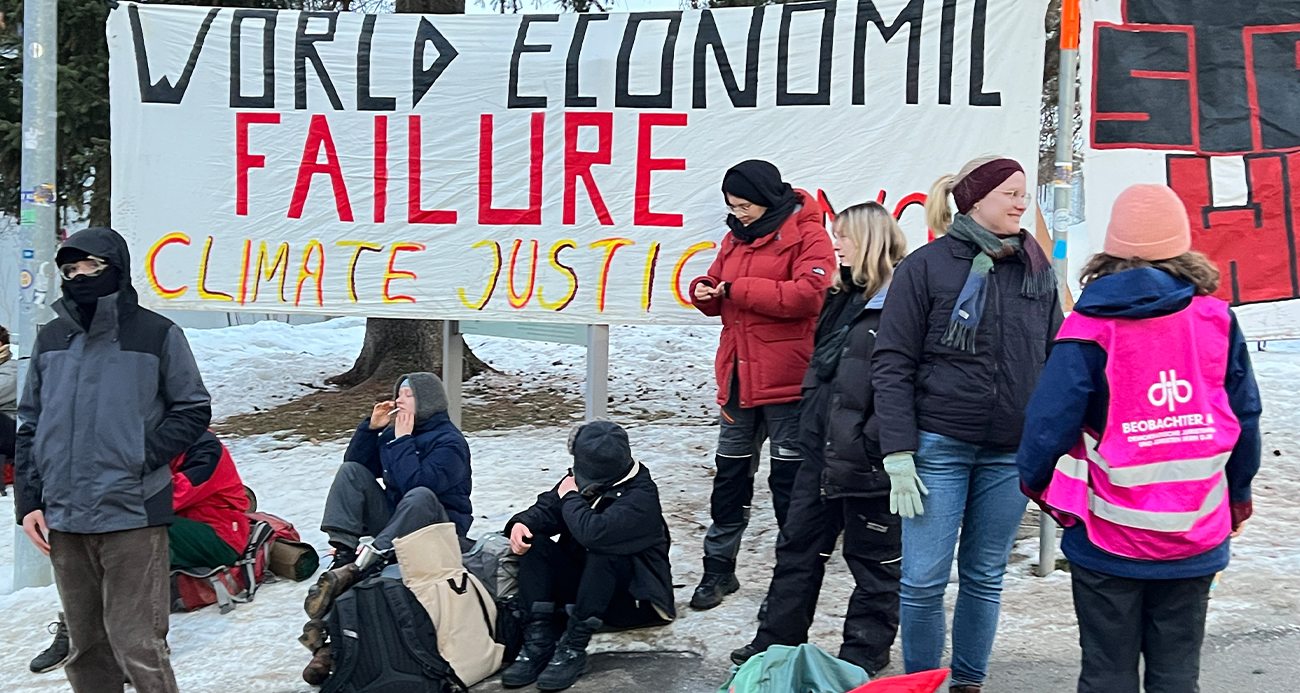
{"x": 89, "y": 267}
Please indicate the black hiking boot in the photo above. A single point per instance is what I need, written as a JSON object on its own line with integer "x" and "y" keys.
{"x": 56, "y": 655}
{"x": 318, "y": 669}
{"x": 331, "y": 584}
{"x": 712, "y": 589}
{"x": 539, "y": 645}
{"x": 570, "y": 658}
{"x": 343, "y": 555}
{"x": 741, "y": 655}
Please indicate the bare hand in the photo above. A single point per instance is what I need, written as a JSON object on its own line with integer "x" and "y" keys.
{"x": 567, "y": 485}
{"x": 519, "y": 536}
{"x": 704, "y": 292}
{"x": 405, "y": 424}
{"x": 35, "y": 529}
{"x": 382, "y": 414}
{"x": 1237, "y": 532}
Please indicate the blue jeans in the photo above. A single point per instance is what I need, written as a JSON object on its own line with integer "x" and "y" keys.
{"x": 976, "y": 491}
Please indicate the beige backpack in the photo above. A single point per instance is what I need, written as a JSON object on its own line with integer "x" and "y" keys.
{"x": 460, "y": 607}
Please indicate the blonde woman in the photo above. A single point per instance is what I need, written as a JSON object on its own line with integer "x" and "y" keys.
{"x": 842, "y": 486}
{"x": 962, "y": 339}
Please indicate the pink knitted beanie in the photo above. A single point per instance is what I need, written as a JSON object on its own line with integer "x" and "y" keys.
{"x": 1149, "y": 222}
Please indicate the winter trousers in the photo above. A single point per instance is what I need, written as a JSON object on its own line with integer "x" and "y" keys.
{"x": 116, "y": 601}
{"x": 1121, "y": 618}
{"x": 195, "y": 544}
{"x": 740, "y": 438}
{"x": 596, "y": 584}
{"x": 357, "y": 506}
{"x": 873, "y": 548}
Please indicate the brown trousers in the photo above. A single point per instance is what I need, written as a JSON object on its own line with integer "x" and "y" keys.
{"x": 115, "y": 594}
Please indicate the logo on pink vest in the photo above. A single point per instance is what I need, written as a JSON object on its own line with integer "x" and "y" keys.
{"x": 1153, "y": 487}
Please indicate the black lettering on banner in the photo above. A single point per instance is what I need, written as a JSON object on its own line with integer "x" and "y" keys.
{"x": 979, "y": 97}
{"x": 421, "y": 79}
{"x": 1135, "y": 109}
{"x": 664, "y": 99}
{"x": 366, "y": 102}
{"x": 304, "y": 49}
{"x": 911, "y": 15}
{"x": 513, "y": 99}
{"x": 706, "y": 36}
{"x": 162, "y": 91}
{"x": 947, "y": 28}
{"x": 822, "y": 97}
{"x": 572, "y": 99}
{"x": 267, "y": 98}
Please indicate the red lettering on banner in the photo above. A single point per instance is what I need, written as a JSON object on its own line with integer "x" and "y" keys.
{"x": 647, "y": 164}
{"x": 243, "y": 160}
{"x": 391, "y": 274}
{"x": 317, "y": 136}
{"x": 415, "y": 214}
{"x": 578, "y": 163}
{"x": 381, "y": 168}
{"x": 530, "y": 215}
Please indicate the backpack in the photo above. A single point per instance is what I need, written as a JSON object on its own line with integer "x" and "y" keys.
{"x": 461, "y": 608}
{"x": 494, "y": 564}
{"x": 383, "y": 641}
{"x": 226, "y": 586}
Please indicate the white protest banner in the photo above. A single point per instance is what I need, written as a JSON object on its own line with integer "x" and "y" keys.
{"x": 1200, "y": 95}
{"x": 560, "y": 168}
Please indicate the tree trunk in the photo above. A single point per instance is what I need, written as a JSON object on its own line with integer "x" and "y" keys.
{"x": 394, "y": 347}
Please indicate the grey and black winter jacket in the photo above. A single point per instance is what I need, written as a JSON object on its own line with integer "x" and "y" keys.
{"x": 105, "y": 409}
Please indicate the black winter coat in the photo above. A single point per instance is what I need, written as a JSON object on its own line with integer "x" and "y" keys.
{"x": 626, "y": 520}
{"x": 837, "y": 413}
{"x": 923, "y": 384}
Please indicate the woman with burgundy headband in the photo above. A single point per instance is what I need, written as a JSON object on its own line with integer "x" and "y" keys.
{"x": 964, "y": 334}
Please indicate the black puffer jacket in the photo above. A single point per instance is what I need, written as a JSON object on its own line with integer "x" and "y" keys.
{"x": 922, "y": 384}
{"x": 626, "y": 521}
{"x": 837, "y": 413}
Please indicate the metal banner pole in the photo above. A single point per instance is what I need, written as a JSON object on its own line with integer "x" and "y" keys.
{"x": 1061, "y": 213}
{"x": 597, "y": 394}
{"x": 453, "y": 367}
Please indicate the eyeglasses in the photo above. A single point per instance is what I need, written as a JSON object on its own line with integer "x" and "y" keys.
{"x": 90, "y": 267}
{"x": 1016, "y": 195}
{"x": 740, "y": 208}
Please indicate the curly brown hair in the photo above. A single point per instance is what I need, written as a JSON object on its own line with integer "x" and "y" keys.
{"x": 1190, "y": 266}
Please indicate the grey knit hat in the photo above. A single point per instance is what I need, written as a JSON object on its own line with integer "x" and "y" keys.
{"x": 430, "y": 395}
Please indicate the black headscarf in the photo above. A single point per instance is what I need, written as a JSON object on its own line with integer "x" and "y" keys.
{"x": 759, "y": 182}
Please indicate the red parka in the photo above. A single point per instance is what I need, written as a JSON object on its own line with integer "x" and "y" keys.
{"x": 778, "y": 283}
{"x": 206, "y": 488}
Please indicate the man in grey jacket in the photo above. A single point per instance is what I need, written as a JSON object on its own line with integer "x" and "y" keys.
{"x": 112, "y": 395}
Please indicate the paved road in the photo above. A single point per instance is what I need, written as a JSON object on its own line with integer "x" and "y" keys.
{"x": 1259, "y": 662}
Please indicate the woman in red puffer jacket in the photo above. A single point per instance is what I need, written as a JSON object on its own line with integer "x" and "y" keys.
{"x": 767, "y": 284}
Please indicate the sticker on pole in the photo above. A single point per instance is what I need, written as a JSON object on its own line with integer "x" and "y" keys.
{"x": 25, "y": 279}
{"x": 29, "y": 254}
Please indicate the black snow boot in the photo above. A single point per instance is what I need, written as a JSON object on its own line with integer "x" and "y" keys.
{"x": 56, "y": 655}
{"x": 741, "y": 655}
{"x": 539, "y": 645}
{"x": 570, "y": 658}
{"x": 343, "y": 555}
{"x": 712, "y": 589}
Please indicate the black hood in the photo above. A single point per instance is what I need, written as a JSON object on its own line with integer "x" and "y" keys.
{"x": 106, "y": 243}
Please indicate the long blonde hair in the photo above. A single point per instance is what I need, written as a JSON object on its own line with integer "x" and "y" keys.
{"x": 938, "y": 214}
{"x": 879, "y": 244}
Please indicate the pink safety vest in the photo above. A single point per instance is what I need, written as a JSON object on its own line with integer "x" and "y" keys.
{"x": 1154, "y": 488}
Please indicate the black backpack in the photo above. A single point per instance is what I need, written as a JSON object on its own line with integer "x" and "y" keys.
{"x": 384, "y": 642}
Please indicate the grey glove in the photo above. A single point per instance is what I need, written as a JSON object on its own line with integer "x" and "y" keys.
{"x": 905, "y": 487}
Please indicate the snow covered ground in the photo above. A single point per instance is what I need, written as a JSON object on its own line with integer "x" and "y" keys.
{"x": 661, "y": 385}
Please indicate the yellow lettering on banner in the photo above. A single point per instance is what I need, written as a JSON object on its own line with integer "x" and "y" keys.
{"x": 648, "y": 285}
{"x": 306, "y": 273}
{"x": 151, "y": 271}
{"x": 518, "y": 301}
{"x": 611, "y": 246}
{"x": 281, "y": 265}
{"x": 361, "y": 246}
{"x": 204, "y": 292}
{"x": 390, "y": 274}
{"x": 554, "y": 259}
{"x": 681, "y": 263}
{"x": 492, "y": 281}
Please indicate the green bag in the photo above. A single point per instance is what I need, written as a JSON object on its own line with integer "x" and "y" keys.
{"x": 802, "y": 669}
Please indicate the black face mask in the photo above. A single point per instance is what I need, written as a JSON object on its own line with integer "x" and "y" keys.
{"x": 86, "y": 291}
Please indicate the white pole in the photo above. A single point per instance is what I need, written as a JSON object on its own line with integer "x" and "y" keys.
{"x": 453, "y": 367}
{"x": 597, "y": 389}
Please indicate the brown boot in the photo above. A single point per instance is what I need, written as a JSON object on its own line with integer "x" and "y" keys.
{"x": 967, "y": 688}
{"x": 319, "y": 668}
{"x": 331, "y": 584}
{"x": 313, "y": 635}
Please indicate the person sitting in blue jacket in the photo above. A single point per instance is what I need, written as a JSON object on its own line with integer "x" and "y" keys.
{"x": 412, "y": 445}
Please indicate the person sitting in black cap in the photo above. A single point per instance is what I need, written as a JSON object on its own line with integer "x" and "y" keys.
{"x": 608, "y": 566}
